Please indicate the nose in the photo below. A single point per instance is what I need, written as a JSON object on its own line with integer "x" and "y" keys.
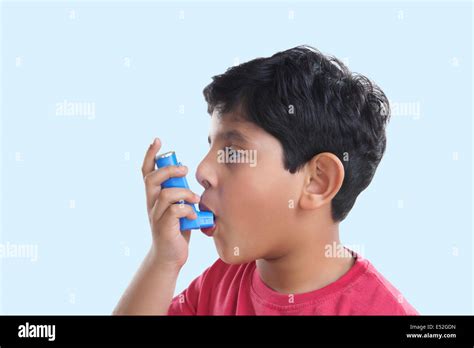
{"x": 205, "y": 173}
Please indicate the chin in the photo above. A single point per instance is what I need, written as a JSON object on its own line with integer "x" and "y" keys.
{"x": 229, "y": 257}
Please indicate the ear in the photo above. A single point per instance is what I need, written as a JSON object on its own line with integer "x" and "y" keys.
{"x": 323, "y": 180}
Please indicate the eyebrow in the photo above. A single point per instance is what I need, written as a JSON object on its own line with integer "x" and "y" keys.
{"x": 232, "y": 135}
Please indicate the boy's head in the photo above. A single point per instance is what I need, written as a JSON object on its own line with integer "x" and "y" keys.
{"x": 294, "y": 140}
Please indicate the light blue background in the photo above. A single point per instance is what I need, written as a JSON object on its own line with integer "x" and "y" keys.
{"x": 413, "y": 222}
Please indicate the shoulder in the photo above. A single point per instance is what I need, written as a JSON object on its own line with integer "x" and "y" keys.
{"x": 383, "y": 298}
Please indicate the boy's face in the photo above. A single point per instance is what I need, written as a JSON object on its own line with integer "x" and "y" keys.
{"x": 255, "y": 201}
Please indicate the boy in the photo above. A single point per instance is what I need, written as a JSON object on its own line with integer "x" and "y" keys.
{"x": 294, "y": 139}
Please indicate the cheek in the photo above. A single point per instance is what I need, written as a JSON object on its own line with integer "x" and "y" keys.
{"x": 240, "y": 234}
{"x": 257, "y": 210}
{"x": 247, "y": 203}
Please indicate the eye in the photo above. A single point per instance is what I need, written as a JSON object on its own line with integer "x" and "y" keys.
{"x": 230, "y": 150}
{"x": 232, "y": 155}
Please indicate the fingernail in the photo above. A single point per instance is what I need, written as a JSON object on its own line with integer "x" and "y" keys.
{"x": 197, "y": 196}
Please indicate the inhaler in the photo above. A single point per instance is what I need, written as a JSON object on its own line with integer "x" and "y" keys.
{"x": 205, "y": 219}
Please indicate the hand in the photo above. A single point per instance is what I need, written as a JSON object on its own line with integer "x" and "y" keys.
{"x": 170, "y": 245}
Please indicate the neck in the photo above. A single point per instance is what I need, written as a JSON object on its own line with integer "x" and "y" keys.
{"x": 306, "y": 267}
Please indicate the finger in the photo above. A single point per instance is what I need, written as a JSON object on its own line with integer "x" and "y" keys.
{"x": 170, "y": 219}
{"x": 149, "y": 161}
{"x": 160, "y": 175}
{"x": 154, "y": 180}
{"x": 187, "y": 235}
{"x": 170, "y": 196}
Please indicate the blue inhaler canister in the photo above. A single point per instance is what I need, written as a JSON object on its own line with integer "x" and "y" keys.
{"x": 204, "y": 219}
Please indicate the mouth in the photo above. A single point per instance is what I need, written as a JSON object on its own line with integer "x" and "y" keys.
{"x": 210, "y": 230}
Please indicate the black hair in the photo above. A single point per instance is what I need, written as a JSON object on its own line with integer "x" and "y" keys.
{"x": 311, "y": 103}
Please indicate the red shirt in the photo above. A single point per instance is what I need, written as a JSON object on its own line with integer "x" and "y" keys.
{"x": 238, "y": 290}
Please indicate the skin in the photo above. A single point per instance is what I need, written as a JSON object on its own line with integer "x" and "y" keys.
{"x": 263, "y": 213}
